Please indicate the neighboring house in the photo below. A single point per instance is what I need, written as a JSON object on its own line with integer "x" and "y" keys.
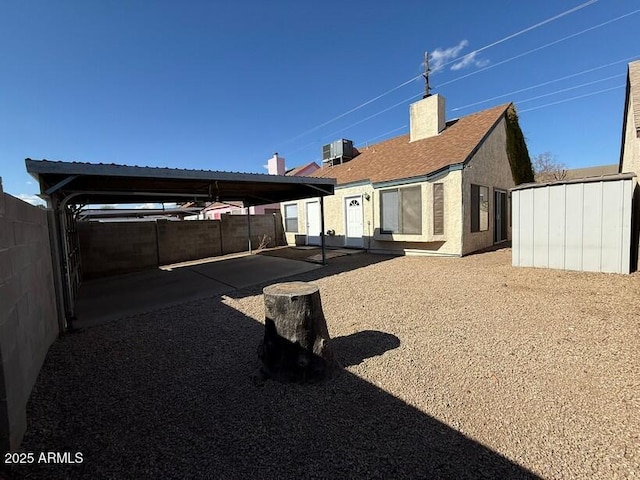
{"x": 275, "y": 166}
{"x": 440, "y": 190}
{"x": 303, "y": 170}
{"x": 587, "y": 172}
{"x": 630, "y": 149}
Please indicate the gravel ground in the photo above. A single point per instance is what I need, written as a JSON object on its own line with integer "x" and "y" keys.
{"x": 454, "y": 368}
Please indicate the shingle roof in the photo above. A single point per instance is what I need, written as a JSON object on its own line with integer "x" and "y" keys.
{"x": 295, "y": 170}
{"x": 397, "y": 158}
{"x": 597, "y": 171}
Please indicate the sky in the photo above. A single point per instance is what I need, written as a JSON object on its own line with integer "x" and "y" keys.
{"x": 224, "y": 85}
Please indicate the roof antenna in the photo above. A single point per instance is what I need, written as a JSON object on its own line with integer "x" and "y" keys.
{"x": 427, "y": 88}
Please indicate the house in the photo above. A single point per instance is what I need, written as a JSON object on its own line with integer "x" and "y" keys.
{"x": 275, "y": 166}
{"x": 587, "y": 172}
{"x": 630, "y": 149}
{"x": 630, "y": 145}
{"x": 440, "y": 190}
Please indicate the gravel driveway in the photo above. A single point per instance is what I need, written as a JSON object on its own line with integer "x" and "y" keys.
{"x": 454, "y": 368}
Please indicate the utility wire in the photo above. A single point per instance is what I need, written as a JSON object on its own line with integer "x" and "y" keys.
{"x": 569, "y": 89}
{"x": 528, "y": 29}
{"x": 493, "y": 65}
{"x": 402, "y": 102}
{"x": 539, "y": 106}
{"x": 570, "y": 99}
{"x": 317, "y": 127}
{"x": 509, "y": 37}
{"x": 366, "y": 142}
{"x": 625, "y": 60}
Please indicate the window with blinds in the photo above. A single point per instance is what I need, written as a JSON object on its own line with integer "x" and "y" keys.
{"x": 401, "y": 210}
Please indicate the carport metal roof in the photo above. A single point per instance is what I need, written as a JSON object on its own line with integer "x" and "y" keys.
{"x": 87, "y": 183}
{"x": 73, "y": 183}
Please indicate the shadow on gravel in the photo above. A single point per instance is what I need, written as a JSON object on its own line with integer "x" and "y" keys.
{"x": 335, "y": 266}
{"x": 355, "y": 348}
{"x": 172, "y": 395}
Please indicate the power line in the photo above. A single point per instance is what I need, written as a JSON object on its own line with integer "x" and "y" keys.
{"x": 402, "y": 102}
{"x": 570, "y": 99}
{"x": 352, "y": 110}
{"x": 528, "y": 29}
{"x": 625, "y": 60}
{"x": 509, "y": 37}
{"x": 539, "y": 48}
{"x": 569, "y": 89}
{"x": 366, "y": 142}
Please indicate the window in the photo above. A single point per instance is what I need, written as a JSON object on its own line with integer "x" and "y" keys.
{"x": 291, "y": 218}
{"x": 401, "y": 210}
{"x": 438, "y": 209}
{"x": 479, "y": 208}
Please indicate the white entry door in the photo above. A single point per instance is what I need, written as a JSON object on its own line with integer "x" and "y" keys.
{"x": 354, "y": 222}
{"x": 313, "y": 223}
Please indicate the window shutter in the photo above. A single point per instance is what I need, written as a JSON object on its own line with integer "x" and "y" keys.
{"x": 438, "y": 209}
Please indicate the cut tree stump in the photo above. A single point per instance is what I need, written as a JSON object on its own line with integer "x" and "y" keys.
{"x": 296, "y": 344}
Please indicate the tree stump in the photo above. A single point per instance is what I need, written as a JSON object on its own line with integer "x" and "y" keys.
{"x": 296, "y": 345}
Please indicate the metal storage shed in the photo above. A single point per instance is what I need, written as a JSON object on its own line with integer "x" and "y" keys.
{"x": 583, "y": 224}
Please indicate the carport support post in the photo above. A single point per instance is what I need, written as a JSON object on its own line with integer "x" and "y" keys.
{"x": 249, "y": 227}
{"x": 324, "y": 254}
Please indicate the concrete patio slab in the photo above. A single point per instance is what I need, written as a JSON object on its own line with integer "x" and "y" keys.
{"x": 115, "y": 297}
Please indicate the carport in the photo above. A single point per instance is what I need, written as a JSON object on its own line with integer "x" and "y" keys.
{"x": 68, "y": 186}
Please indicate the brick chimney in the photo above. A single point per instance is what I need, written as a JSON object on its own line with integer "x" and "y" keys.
{"x": 275, "y": 165}
{"x": 427, "y": 117}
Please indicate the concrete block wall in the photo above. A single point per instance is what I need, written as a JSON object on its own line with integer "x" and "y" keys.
{"x": 182, "y": 241}
{"x": 112, "y": 248}
{"x": 235, "y": 231}
{"x": 28, "y": 315}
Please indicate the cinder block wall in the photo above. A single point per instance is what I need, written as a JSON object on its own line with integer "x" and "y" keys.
{"x": 113, "y": 248}
{"x": 182, "y": 241}
{"x": 235, "y": 231}
{"x": 28, "y": 316}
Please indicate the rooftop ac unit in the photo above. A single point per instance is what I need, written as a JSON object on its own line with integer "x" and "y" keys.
{"x": 340, "y": 149}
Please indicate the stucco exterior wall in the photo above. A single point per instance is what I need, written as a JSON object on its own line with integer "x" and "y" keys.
{"x": 489, "y": 167}
{"x": 427, "y": 117}
{"x": 631, "y": 147}
{"x": 450, "y": 243}
{"x": 28, "y": 313}
{"x": 334, "y": 214}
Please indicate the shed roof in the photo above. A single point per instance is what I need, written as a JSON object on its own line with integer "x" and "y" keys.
{"x": 398, "y": 158}
{"x": 87, "y": 183}
{"x": 602, "y": 178}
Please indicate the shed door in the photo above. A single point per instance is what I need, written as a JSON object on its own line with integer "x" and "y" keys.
{"x": 313, "y": 223}
{"x": 353, "y": 216}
